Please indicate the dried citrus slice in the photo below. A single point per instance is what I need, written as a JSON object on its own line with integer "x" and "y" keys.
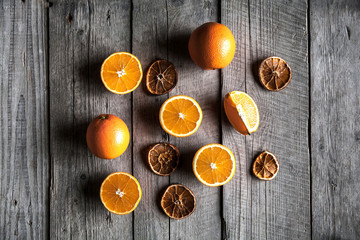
{"x": 178, "y": 201}
{"x": 161, "y": 77}
{"x": 214, "y": 165}
{"x": 266, "y": 166}
{"x": 120, "y": 193}
{"x": 163, "y": 158}
{"x": 121, "y": 73}
{"x": 274, "y": 73}
{"x": 242, "y": 112}
{"x": 180, "y": 116}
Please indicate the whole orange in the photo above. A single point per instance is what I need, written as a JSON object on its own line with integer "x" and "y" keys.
{"x": 107, "y": 136}
{"x": 212, "y": 46}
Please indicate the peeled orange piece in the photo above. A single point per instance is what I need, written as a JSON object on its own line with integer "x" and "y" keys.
{"x": 242, "y": 112}
{"x": 120, "y": 193}
{"x": 121, "y": 73}
{"x": 214, "y": 165}
{"x": 180, "y": 116}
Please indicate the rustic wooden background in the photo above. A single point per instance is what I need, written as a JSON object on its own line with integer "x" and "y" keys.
{"x": 51, "y": 54}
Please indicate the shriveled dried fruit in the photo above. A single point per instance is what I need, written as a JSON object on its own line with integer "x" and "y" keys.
{"x": 274, "y": 73}
{"x": 163, "y": 158}
{"x": 178, "y": 201}
{"x": 266, "y": 166}
{"x": 161, "y": 77}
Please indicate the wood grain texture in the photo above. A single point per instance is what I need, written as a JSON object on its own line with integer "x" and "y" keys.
{"x": 204, "y": 87}
{"x": 24, "y": 171}
{"x": 82, "y": 35}
{"x": 335, "y": 111}
{"x": 149, "y": 44}
{"x": 280, "y": 208}
{"x": 49, "y": 187}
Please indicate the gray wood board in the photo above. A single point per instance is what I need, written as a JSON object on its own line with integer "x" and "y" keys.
{"x": 335, "y": 111}
{"x": 24, "y": 171}
{"x": 204, "y": 87}
{"x": 280, "y": 208}
{"x": 82, "y": 35}
{"x": 149, "y": 44}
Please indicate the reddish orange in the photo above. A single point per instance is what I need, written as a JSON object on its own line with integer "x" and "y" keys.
{"x": 212, "y": 46}
{"x": 107, "y": 136}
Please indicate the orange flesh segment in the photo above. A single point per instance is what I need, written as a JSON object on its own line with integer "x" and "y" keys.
{"x": 121, "y": 72}
{"x": 221, "y": 161}
{"x": 181, "y": 116}
{"x": 243, "y": 103}
{"x": 117, "y": 185}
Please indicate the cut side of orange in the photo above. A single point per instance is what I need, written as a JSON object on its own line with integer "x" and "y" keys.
{"x": 120, "y": 193}
{"x": 242, "y": 112}
{"x": 121, "y": 73}
{"x": 180, "y": 116}
{"x": 214, "y": 165}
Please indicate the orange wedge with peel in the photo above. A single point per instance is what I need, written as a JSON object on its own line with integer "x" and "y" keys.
{"x": 121, "y": 73}
{"x": 242, "y": 112}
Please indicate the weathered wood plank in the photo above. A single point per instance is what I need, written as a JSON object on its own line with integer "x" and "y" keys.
{"x": 24, "y": 171}
{"x": 204, "y": 87}
{"x": 335, "y": 117}
{"x": 236, "y": 200}
{"x": 280, "y": 208}
{"x": 82, "y": 35}
{"x": 149, "y": 44}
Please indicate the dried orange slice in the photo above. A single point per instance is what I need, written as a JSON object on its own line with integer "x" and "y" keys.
{"x": 180, "y": 116}
{"x": 178, "y": 201}
{"x": 242, "y": 112}
{"x": 121, "y": 73}
{"x": 274, "y": 73}
{"x": 161, "y": 77}
{"x": 163, "y": 158}
{"x": 214, "y": 165}
{"x": 266, "y": 166}
{"x": 120, "y": 193}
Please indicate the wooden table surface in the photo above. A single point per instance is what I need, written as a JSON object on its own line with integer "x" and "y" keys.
{"x": 51, "y": 89}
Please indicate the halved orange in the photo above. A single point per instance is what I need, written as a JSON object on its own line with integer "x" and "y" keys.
{"x": 214, "y": 165}
{"x": 180, "y": 116}
{"x": 242, "y": 112}
{"x": 120, "y": 193}
{"x": 121, "y": 73}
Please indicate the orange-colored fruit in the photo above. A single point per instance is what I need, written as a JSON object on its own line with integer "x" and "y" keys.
{"x": 121, "y": 73}
{"x": 212, "y": 46}
{"x": 242, "y": 112}
{"x": 214, "y": 165}
{"x": 107, "y": 136}
{"x": 180, "y": 116}
{"x": 120, "y": 193}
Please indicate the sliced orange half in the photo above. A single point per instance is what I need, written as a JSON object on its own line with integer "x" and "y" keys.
{"x": 120, "y": 193}
{"x": 214, "y": 165}
{"x": 242, "y": 112}
{"x": 121, "y": 73}
{"x": 180, "y": 116}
